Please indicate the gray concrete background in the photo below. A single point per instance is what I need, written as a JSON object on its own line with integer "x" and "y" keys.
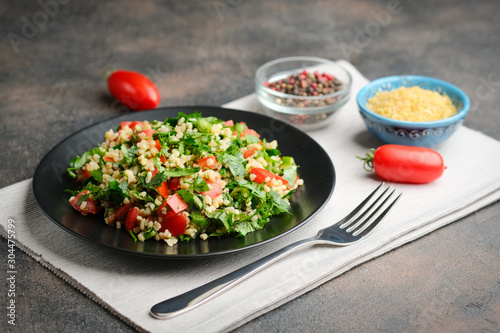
{"x": 52, "y": 61}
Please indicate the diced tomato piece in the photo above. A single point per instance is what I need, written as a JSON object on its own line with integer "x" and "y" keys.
{"x": 131, "y": 220}
{"x": 109, "y": 159}
{"x": 229, "y": 123}
{"x": 133, "y": 124}
{"x": 119, "y": 214}
{"x": 176, "y": 203}
{"x": 262, "y": 174}
{"x": 154, "y": 172}
{"x": 249, "y": 152}
{"x": 214, "y": 191}
{"x": 86, "y": 173}
{"x": 163, "y": 189}
{"x": 209, "y": 162}
{"x": 166, "y": 215}
{"x": 163, "y": 159}
{"x": 149, "y": 132}
{"x": 175, "y": 224}
{"x": 249, "y": 131}
{"x": 158, "y": 145}
{"x": 125, "y": 124}
{"x": 119, "y": 133}
{"x": 174, "y": 183}
{"x": 122, "y": 211}
{"x": 90, "y": 205}
{"x": 283, "y": 180}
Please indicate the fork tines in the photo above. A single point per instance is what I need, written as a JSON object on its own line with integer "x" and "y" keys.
{"x": 355, "y": 221}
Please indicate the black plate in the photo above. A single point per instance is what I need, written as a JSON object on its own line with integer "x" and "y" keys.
{"x": 51, "y": 180}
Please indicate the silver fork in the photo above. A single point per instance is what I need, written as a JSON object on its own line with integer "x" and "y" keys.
{"x": 347, "y": 231}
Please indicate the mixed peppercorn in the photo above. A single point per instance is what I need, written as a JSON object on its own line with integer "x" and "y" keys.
{"x": 306, "y": 84}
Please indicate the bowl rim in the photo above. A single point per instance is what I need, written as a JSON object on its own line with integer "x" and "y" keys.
{"x": 261, "y": 87}
{"x": 404, "y": 123}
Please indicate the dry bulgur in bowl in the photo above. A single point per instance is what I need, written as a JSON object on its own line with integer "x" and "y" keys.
{"x": 412, "y": 110}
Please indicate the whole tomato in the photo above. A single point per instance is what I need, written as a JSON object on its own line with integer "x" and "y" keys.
{"x": 405, "y": 164}
{"x": 133, "y": 90}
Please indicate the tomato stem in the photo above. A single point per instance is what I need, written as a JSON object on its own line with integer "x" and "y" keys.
{"x": 368, "y": 159}
{"x": 107, "y": 73}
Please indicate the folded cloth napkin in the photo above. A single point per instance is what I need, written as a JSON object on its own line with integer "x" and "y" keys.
{"x": 128, "y": 286}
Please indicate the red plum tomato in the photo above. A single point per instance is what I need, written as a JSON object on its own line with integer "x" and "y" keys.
{"x": 405, "y": 164}
{"x": 133, "y": 90}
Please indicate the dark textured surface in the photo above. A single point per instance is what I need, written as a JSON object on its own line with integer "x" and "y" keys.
{"x": 205, "y": 53}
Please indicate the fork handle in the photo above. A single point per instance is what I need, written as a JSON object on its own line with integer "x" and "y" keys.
{"x": 195, "y": 297}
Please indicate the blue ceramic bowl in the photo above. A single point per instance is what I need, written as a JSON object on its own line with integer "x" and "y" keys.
{"x": 410, "y": 133}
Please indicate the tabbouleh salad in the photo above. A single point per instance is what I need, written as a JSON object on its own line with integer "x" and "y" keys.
{"x": 186, "y": 177}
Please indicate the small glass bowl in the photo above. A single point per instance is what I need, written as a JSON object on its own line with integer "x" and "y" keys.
{"x": 412, "y": 133}
{"x": 304, "y": 112}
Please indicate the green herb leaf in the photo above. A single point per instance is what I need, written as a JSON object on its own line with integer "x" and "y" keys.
{"x": 244, "y": 228}
{"x": 280, "y": 205}
{"x": 223, "y": 217}
{"x": 273, "y": 152}
{"x": 199, "y": 219}
{"x": 235, "y": 164}
{"x": 249, "y": 138}
{"x": 187, "y": 196}
{"x": 255, "y": 189}
{"x": 150, "y": 233}
{"x": 116, "y": 191}
{"x": 200, "y": 185}
{"x": 184, "y": 238}
{"x": 203, "y": 125}
{"x": 173, "y": 121}
{"x": 147, "y": 198}
{"x": 179, "y": 172}
{"x": 240, "y": 127}
{"x": 80, "y": 161}
{"x": 96, "y": 174}
{"x": 157, "y": 180}
{"x": 129, "y": 154}
{"x": 290, "y": 175}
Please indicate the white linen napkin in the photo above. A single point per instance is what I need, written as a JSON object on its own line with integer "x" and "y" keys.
{"x": 128, "y": 286}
